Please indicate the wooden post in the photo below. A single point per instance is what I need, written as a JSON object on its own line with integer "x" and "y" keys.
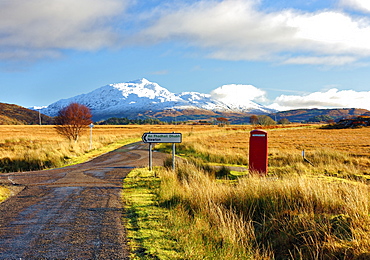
{"x": 91, "y": 127}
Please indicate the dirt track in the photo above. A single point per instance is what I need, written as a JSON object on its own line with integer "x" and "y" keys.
{"x": 70, "y": 213}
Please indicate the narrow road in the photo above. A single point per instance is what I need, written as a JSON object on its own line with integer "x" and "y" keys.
{"x": 73, "y": 212}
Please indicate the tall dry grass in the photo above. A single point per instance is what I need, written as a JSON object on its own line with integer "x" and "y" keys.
{"x": 25, "y": 148}
{"x": 299, "y": 211}
{"x": 296, "y": 217}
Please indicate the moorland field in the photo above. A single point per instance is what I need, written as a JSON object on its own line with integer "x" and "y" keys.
{"x": 34, "y": 147}
{"x": 206, "y": 210}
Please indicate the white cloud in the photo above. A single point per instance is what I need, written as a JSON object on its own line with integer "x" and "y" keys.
{"x": 232, "y": 29}
{"x": 238, "y": 94}
{"x": 225, "y": 29}
{"x": 332, "y": 98}
{"x": 34, "y": 28}
{"x": 241, "y": 30}
{"x": 361, "y": 5}
{"x": 333, "y": 33}
{"x": 328, "y": 60}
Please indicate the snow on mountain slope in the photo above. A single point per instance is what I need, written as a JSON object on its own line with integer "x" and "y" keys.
{"x": 142, "y": 95}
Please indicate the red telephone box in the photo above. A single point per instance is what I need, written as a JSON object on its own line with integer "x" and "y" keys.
{"x": 258, "y": 152}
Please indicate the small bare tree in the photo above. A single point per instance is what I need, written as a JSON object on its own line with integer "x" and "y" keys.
{"x": 73, "y": 120}
{"x": 254, "y": 120}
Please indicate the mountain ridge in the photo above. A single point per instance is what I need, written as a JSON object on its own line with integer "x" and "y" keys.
{"x": 138, "y": 97}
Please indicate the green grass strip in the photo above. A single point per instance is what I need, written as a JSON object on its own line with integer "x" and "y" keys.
{"x": 149, "y": 236}
{"x": 97, "y": 152}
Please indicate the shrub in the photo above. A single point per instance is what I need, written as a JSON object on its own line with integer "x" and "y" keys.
{"x": 223, "y": 172}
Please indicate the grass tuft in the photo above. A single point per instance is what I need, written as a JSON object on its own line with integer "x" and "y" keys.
{"x": 4, "y": 193}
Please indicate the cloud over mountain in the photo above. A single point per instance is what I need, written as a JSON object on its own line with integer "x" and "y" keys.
{"x": 332, "y": 98}
{"x": 238, "y": 94}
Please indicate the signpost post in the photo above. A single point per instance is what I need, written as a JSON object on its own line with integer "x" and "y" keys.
{"x": 150, "y": 157}
{"x": 151, "y": 138}
{"x": 91, "y": 127}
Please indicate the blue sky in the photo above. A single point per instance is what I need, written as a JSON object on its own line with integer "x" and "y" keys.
{"x": 287, "y": 54}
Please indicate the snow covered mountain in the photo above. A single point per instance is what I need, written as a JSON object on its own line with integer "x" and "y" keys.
{"x": 142, "y": 96}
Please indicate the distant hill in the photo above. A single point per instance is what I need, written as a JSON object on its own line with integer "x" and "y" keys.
{"x": 170, "y": 115}
{"x": 356, "y": 122}
{"x": 16, "y": 115}
{"x": 306, "y": 115}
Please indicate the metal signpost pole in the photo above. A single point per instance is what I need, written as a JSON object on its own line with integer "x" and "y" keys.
{"x": 162, "y": 138}
{"x": 39, "y": 117}
{"x": 150, "y": 157}
{"x": 173, "y": 156}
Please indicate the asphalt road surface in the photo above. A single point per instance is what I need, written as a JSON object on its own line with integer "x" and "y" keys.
{"x": 70, "y": 213}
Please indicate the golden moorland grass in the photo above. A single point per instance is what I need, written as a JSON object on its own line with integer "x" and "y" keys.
{"x": 24, "y": 148}
{"x": 231, "y": 142}
{"x": 321, "y": 146}
{"x": 298, "y": 211}
{"x": 352, "y": 141}
{"x": 294, "y": 217}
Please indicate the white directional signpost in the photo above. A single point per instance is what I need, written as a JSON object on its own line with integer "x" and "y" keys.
{"x": 162, "y": 138}
{"x": 151, "y": 138}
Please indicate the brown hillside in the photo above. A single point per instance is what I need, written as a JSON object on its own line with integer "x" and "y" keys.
{"x": 16, "y": 115}
{"x": 300, "y": 115}
{"x": 347, "y": 112}
{"x": 177, "y": 113}
{"x": 197, "y": 114}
